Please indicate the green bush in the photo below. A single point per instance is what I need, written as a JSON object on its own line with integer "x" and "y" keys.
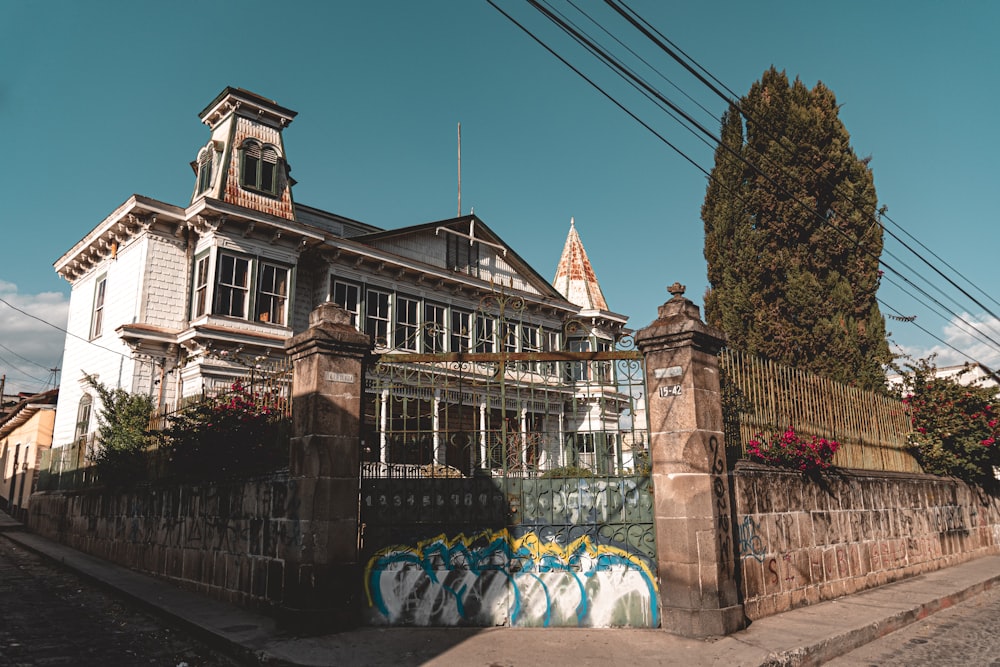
{"x": 123, "y": 436}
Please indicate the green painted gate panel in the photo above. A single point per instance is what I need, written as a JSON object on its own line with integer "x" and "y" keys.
{"x": 510, "y": 551}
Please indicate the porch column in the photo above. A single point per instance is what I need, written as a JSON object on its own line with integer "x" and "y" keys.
{"x": 693, "y": 511}
{"x": 383, "y": 427}
{"x": 440, "y": 452}
{"x": 484, "y": 462}
{"x": 322, "y": 575}
{"x": 524, "y": 437}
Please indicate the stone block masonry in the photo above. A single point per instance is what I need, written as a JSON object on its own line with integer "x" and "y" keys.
{"x": 228, "y": 540}
{"x": 802, "y": 541}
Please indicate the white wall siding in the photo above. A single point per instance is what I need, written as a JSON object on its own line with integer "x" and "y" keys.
{"x": 428, "y": 249}
{"x": 103, "y": 355}
{"x": 164, "y": 297}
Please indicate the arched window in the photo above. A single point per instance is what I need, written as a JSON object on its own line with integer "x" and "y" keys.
{"x": 259, "y": 167}
{"x": 205, "y": 169}
{"x": 83, "y": 417}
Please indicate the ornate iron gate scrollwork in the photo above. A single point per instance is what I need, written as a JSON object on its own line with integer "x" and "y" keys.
{"x": 506, "y": 481}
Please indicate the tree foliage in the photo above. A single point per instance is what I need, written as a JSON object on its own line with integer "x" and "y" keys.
{"x": 956, "y": 428}
{"x": 792, "y": 245}
{"x": 122, "y": 435}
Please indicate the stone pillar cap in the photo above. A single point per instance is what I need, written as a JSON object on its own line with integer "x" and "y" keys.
{"x": 678, "y": 304}
{"x": 329, "y": 312}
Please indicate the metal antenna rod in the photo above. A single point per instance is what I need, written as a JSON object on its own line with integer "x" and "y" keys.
{"x": 460, "y": 170}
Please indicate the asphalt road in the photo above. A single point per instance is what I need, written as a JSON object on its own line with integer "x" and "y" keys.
{"x": 49, "y": 616}
{"x": 962, "y": 636}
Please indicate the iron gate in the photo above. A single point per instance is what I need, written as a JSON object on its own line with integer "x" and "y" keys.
{"x": 508, "y": 486}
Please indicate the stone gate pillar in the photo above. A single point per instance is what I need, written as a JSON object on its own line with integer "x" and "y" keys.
{"x": 692, "y": 511}
{"x": 322, "y": 575}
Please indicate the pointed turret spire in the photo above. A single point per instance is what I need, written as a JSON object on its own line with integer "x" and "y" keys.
{"x": 575, "y": 277}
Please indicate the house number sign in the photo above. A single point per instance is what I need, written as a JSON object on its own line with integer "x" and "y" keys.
{"x": 671, "y": 390}
{"x": 339, "y": 377}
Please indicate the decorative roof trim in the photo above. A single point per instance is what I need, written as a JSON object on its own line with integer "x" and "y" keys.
{"x": 247, "y": 104}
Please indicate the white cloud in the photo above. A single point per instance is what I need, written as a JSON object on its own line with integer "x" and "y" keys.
{"x": 970, "y": 334}
{"x": 27, "y": 337}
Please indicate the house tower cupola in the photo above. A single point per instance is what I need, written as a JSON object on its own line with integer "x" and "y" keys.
{"x": 575, "y": 278}
{"x": 244, "y": 162}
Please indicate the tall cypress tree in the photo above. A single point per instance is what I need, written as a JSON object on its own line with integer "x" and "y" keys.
{"x": 791, "y": 236}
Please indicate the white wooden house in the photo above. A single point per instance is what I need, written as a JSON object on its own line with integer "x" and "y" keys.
{"x": 172, "y": 301}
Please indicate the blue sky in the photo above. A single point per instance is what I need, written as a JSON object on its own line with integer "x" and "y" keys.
{"x": 100, "y": 100}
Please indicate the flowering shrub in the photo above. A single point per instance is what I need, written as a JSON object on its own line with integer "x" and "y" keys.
{"x": 956, "y": 428}
{"x": 235, "y": 433}
{"x": 788, "y": 450}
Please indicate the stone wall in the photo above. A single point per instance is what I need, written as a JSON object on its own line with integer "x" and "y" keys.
{"x": 228, "y": 540}
{"x": 801, "y": 541}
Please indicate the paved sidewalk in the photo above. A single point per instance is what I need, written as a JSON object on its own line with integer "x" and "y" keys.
{"x": 806, "y": 636}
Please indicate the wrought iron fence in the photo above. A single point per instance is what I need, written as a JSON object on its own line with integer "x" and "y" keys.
{"x": 494, "y": 405}
{"x": 761, "y": 397}
{"x": 266, "y": 381}
{"x": 265, "y": 384}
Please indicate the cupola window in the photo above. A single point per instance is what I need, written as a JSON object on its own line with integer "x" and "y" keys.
{"x": 205, "y": 169}
{"x": 259, "y": 167}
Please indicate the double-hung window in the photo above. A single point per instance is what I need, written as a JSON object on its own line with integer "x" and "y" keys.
{"x": 200, "y": 304}
{"x": 551, "y": 340}
{"x": 377, "y": 317}
{"x": 604, "y": 370}
{"x": 406, "y": 323}
{"x": 97, "y": 317}
{"x": 247, "y": 288}
{"x": 485, "y": 327}
{"x": 272, "y": 293}
{"x": 530, "y": 343}
{"x": 461, "y": 331}
{"x": 434, "y": 328}
{"x": 509, "y": 337}
{"x": 348, "y": 297}
{"x": 233, "y": 288}
{"x": 576, "y": 371}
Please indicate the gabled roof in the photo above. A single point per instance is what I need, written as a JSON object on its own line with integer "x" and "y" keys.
{"x": 473, "y": 228}
{"x": 24, "y": 410}
{"x": 575, "y": 278}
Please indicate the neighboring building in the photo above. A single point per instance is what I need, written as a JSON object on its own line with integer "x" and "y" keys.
{"x": 173, "y": 301}
{"x": 25, "y": 433}
{"x": 964, "y": 374}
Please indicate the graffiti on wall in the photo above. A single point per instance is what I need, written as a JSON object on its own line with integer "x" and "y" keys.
{"x": 751, "y": 545}
{"x": 495, "y": 578}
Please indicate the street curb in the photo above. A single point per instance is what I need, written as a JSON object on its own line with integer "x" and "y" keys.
{"x": 838, "y": 645}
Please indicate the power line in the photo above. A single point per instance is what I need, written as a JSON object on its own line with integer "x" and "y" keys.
{"x": 672, "y": 50}
{"x": 68, "y": 333}
{"x": 589, "y": 44}
{"x": 14, "y": 368}
{"x": 45, "y": 368}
